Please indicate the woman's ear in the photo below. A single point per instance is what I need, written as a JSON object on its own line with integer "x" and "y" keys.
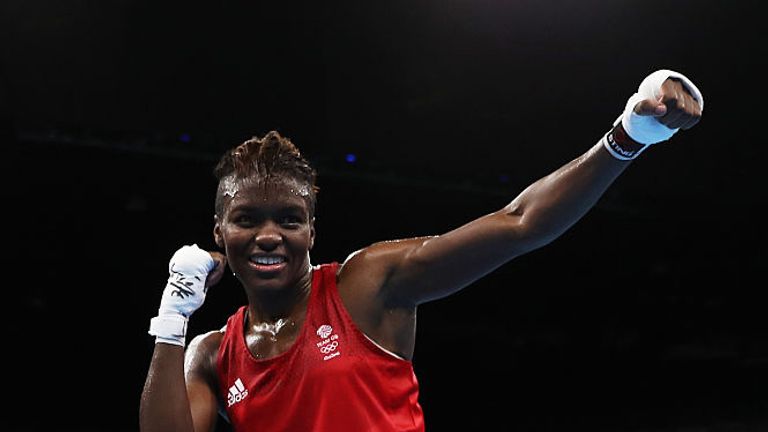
{"x": 217, "y": 232}
{"x": 312, "y": 233}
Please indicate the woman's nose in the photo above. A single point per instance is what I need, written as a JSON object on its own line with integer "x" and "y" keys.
{"x": 268, "y": 237}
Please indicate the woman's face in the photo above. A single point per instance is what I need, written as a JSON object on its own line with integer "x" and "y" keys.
{"x": 266, "y": 231}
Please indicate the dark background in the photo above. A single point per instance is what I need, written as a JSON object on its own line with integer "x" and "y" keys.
{"x": 646, "y": 316}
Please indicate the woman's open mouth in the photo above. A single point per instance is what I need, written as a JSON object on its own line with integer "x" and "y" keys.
{"x": 268, "y": 263}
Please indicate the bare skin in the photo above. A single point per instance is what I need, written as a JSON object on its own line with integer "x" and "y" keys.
{"x": 380, "y": 285}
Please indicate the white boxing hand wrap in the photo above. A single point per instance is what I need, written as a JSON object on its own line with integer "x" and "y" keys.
{"x": 183, "y": 294}
{"x": 647, "y": 130}
{"x": 170, "y": 329}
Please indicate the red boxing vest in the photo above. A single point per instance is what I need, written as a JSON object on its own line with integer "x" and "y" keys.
{"x": 333, "y": 378}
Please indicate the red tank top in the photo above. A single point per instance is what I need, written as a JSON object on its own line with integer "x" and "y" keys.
{"x": 333, "y": 378}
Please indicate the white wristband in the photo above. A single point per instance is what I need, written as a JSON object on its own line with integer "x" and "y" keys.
{"x": 170, "y": 329}
{"x": 620, "y": 145}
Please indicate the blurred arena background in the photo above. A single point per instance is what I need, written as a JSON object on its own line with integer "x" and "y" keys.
{"x": 419, "y": 116}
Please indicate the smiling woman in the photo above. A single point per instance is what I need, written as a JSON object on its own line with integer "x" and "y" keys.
{"x": 297, "y": 324}
{"x": 330, "y": 346}
{"x": 267, "y": 229}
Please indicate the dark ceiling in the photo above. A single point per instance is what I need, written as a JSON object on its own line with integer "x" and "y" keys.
{"x": 460, "y": 91}
{"x": 114, "y": 112}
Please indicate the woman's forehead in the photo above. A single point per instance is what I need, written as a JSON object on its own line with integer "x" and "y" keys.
{"x": 286, "y": 191}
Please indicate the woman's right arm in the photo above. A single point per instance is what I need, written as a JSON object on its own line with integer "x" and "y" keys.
{"x": 180, "y": 391}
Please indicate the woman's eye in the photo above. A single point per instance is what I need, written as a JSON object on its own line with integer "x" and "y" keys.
{"x": 290, "y": 220}
{"x": 243, "y": 220}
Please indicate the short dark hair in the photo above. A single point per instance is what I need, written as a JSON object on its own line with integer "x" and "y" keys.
{"x": 272, "y": 155}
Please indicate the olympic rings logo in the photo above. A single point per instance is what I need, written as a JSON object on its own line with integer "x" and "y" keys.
{"x": 330, "y": 347}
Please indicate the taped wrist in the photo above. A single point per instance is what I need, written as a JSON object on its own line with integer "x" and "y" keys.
{"x": 184, "y": 293}
{"x": 620, "y": 145}
{"x": 170, "y": 329}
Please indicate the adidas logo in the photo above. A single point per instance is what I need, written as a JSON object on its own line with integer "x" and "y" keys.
{"x": 237, "y": 393}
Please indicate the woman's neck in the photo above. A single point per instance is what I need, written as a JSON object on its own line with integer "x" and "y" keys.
{"x": 275, "y": 305}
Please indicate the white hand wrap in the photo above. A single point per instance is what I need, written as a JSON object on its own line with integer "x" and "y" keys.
{"x": 647, "y": 130}
{"x": 184, "y": 293}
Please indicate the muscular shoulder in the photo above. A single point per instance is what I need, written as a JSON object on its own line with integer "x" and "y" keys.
{"x": 374, "y": 261}
{"x": 201, "y": 355}
{"x": 369, "y": 269}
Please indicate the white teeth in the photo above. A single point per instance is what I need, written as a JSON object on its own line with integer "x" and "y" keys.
{"x": 267, "y": 260}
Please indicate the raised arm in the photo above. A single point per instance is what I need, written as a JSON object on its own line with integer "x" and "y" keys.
{"x": 423, "y": 269}
{"x": 170, "y": 401}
